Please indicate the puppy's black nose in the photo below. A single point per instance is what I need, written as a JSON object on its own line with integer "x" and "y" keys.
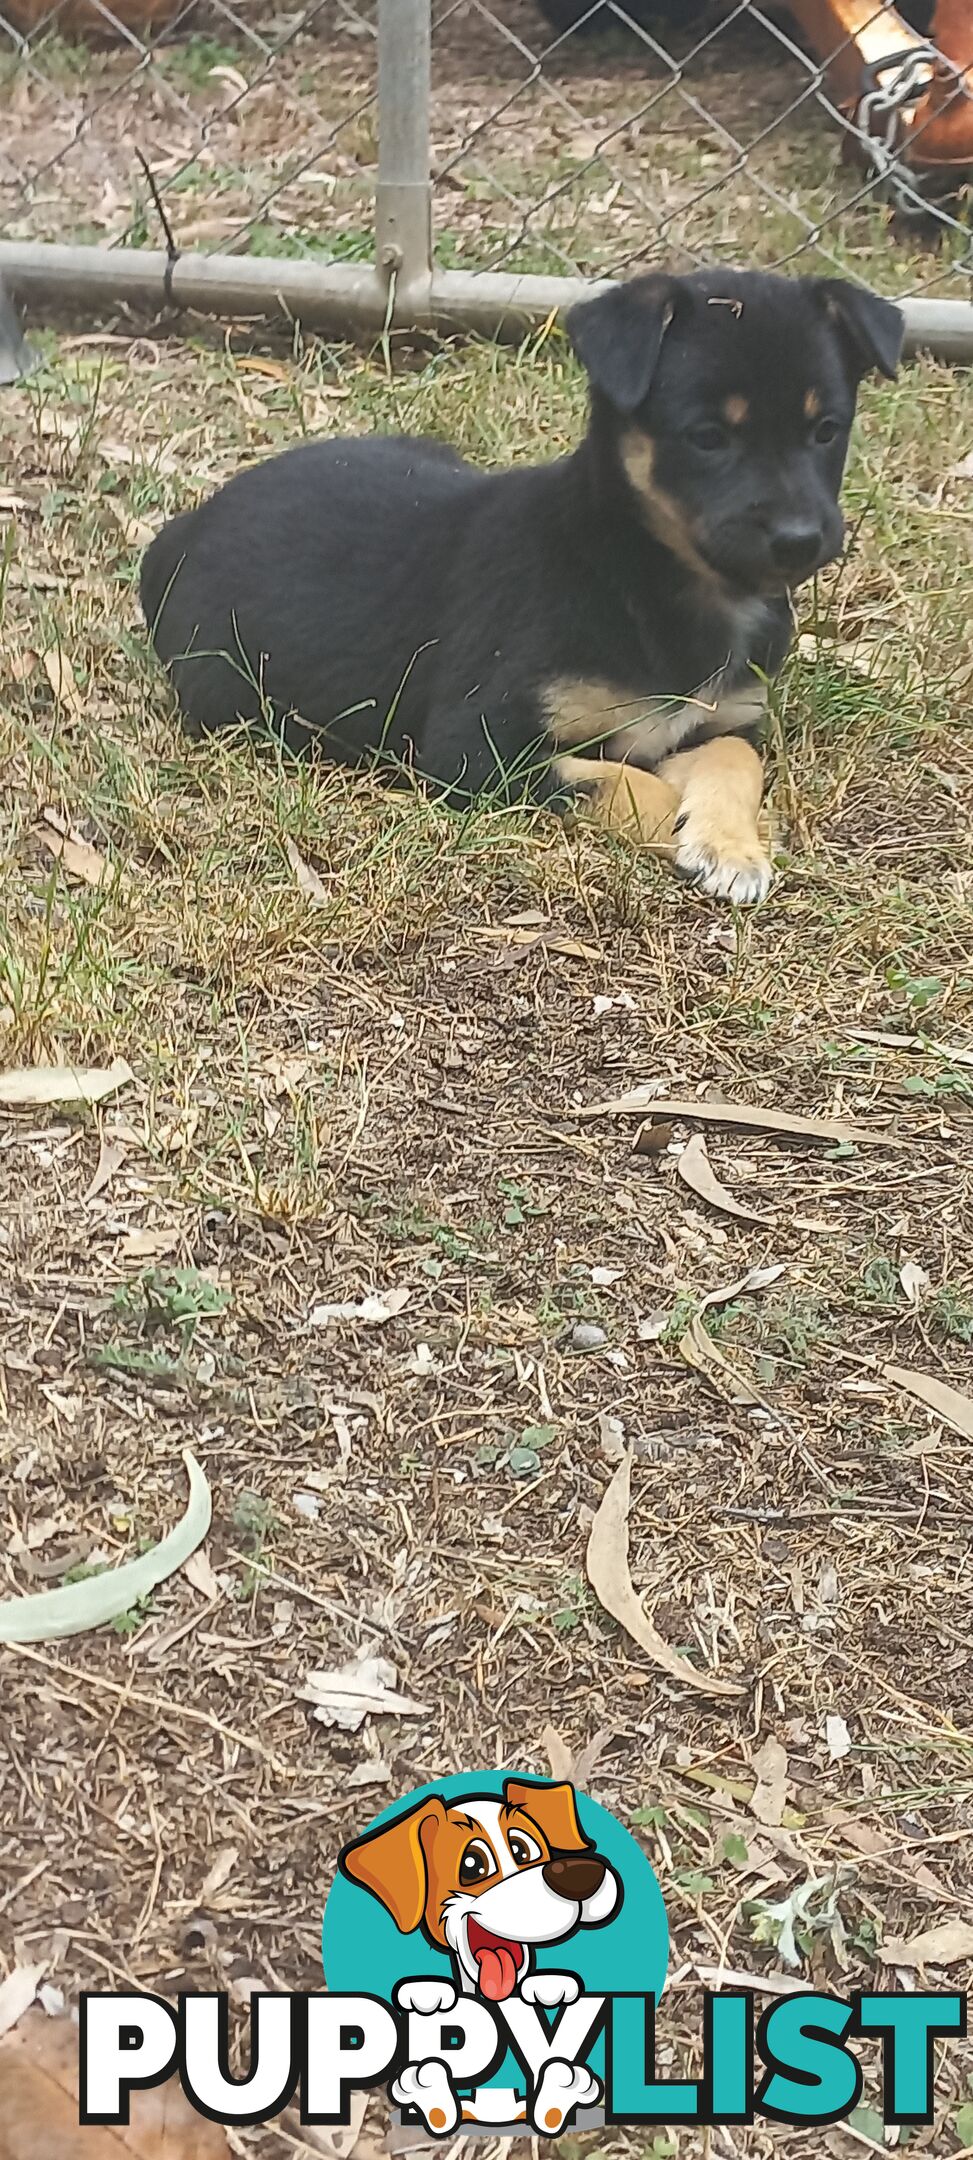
{"x": 574, "y": 1875}
{"x": 796, "y": 546}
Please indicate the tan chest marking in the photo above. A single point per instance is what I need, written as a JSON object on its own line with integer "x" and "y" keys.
{"x": 597, "y": 715}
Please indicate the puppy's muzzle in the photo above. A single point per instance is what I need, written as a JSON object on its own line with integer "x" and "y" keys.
{"x": 796, "y": 547}
{"x": 574, "y": 1875}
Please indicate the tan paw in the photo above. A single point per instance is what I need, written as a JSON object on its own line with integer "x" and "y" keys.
{"x": 726, "y": 865}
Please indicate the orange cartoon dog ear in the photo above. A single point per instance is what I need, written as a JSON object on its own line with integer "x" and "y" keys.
{"x": 390, "y": 1862}
{"x": 554, "y": 1810}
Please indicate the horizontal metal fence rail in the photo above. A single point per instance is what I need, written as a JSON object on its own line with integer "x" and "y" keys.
{"x": 298, "y": 168}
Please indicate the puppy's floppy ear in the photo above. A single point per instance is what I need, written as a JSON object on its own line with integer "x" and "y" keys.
{"x": 873, "y": 328}
{"x": 618, "y": 337}
{"x": 391, "y": 1863}
{"x": 555, "y": 1811}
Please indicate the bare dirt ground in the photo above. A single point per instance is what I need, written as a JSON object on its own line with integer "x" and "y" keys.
{"x": 363, "y": 1037}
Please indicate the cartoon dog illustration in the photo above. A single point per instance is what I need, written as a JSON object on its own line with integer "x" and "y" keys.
{"x": 490, "y": 1881}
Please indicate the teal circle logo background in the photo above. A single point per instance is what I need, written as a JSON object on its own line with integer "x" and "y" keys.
{"x": 363, "y": 1952}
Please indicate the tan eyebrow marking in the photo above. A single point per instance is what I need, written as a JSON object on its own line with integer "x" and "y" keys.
{"x": 736, "y": 410}
{"x": 812, "y": 404}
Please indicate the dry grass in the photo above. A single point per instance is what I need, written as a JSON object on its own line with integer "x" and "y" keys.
{"x": 379, "y": 1089}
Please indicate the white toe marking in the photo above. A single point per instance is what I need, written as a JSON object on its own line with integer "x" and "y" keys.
{"x": 425, "y": 1996}
{"x": 550, "y": 1988}
{"x": 743, "y": 879}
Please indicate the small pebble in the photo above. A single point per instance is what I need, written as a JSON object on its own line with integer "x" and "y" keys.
{"x": 585, "y": 1335}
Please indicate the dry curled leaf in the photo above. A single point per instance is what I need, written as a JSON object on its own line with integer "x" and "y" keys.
{"x": 769, "y": 1796}
{"x": 219, "y": 1872}
{"x": 948, "y": 1944}
{"x": 369, "y": 1311}
{"x": 60, "y": 675}
{"x": 77, "y": 857}
{"x": 364, "y": 1687}
{"x": 39, "y": 2106}
{"x": 559, "y": 1755}
{"x": 17, "y": 1992}
{"x": 937, "y": 1395}
{"x": 606, "y": 1562}
{"x": 35, "y": 1085}
{"x": 310, "y": 884}
{"x": 756, "y": 1278}
{"x": 571, "y": 948}
{"x": 699, "y": 1350}
{"x": 914, "y": 1281}
{"x": 694, "y": 1167}
{"x": 113, "y": 1154}
{"x": 838, "y": 1737}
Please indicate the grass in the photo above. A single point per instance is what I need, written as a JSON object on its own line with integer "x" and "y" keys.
{"x": 377, "y": 1088}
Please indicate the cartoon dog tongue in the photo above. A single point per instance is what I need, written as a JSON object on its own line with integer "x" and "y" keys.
{"x": 497, "y": 1963}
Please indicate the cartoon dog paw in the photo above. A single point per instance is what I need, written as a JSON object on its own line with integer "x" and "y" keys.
{"x": 549, "y": 1989}
{"x": 426, "y": 2087}
{"x": 425, "y": 1996}
{"x": 563, "y": 2087}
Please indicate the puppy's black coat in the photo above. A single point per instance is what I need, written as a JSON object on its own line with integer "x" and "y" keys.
{"x": 383, "y": 597}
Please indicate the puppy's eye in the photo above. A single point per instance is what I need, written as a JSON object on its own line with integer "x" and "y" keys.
{"x": 477, "y": 1863}
{"x": 827, "y": 431}
{"x": 523, "y": 1848}
{"x": 709, "y": 436}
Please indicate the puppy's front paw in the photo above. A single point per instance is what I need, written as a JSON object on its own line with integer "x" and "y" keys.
{"x": 564, "y": 2086}
{"x": 549, "y": 1989}
{"x": 426, "y": 2087}
{"x": 425, "y": 1996}
{"x": 726, "y": 861}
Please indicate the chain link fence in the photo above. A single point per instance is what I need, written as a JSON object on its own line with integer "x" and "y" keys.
{"x": 463, "y": 163}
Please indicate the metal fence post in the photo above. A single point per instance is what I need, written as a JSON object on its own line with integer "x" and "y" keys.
{"x": 403, "y": 200}
{"x": 16, "y": 358}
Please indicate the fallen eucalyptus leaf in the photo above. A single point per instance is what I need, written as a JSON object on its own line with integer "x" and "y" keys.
{"x": 753, "y": 1115}
{"x": 60, "y": 674}
{"x": 606, "y": 1563}
{"x": 72, "y": 1609}
{"x": 700, "y": 1351}
{"x": 35, "y": 1085}
{"x": 559, "y": 1755}
{"x": 937, "y": 1395}
{"x": 948, "y": 1944}
{"x": 694, "y": 1167}
{"x": 769, "y": 1796}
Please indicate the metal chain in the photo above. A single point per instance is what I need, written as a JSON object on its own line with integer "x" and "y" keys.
{"x": 897, "y": 84}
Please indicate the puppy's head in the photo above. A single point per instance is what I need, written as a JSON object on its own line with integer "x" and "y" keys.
{"x": 726, "y": 399}
{"x": 488, "y": 1878}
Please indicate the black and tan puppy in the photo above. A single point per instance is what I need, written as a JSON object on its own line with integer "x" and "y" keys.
{"x": 604, "y": 624}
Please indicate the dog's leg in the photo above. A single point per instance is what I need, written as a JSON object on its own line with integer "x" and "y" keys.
{"x": 639, "y": 805}
{"x": 428, "y": 2088}
{"x": 563, "y": 2087}
{"x": 721, "y": 834}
